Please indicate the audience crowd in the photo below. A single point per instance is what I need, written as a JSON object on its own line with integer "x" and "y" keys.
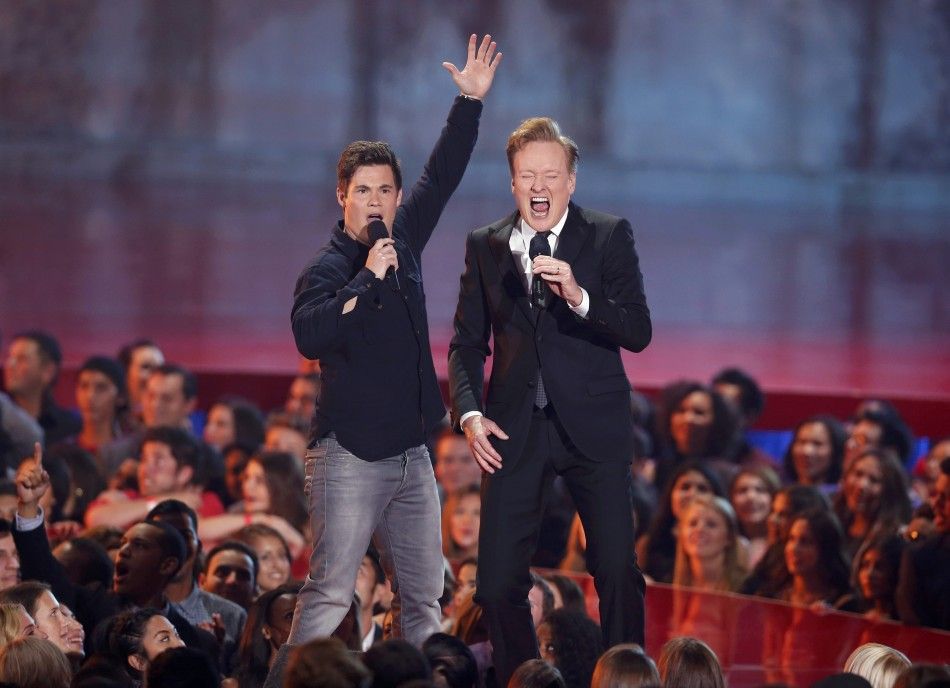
{"x": 145, "y": 543}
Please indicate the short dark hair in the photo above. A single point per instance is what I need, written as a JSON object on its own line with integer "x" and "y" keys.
{"x": 895, "y": 434}
{"x": 363, "y": 153}
{"x": 183, "y": 447}
{"x": 396, "y": 661}
{"x": 171, "y": 542}
{"x": 248, "y": 422}
{"x": 86, "y": 562}
{"x": 49, "y": 348}
{"x": 125, "y": 353}
{"x": 373, "y": 555}
{"x": 234, "y": 545}
{"x": 452, "y": 659}
{"x": 189, "y": 383}
{"x": 183, "y": 667}
{"x": 751, "y": 398}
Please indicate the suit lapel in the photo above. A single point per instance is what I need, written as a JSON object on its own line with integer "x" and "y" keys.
{"x": 512, "y": 281}
{"x": 573, "y": 237}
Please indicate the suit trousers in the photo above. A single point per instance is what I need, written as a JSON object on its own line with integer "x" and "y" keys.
{"x": 512, "y": 508}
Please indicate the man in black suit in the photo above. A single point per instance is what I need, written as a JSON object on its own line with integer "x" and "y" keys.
{"x": 560, "y": 290}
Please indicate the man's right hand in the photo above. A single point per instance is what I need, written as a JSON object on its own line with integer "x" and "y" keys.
{"x": 382, "y": 256}
{"x": 477, "y": 429}
{"x": 32, "y": 482}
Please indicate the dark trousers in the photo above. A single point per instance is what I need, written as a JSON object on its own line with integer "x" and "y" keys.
{"x": 512, "y": 507}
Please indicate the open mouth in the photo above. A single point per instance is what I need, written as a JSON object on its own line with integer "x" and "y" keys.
{"x": 374, "y": 216}
{"x": 121, "y": 572}
{"x": 540, "y": 205}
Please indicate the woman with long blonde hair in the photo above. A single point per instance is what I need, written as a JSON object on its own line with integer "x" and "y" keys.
{"x": 708, "y": 552}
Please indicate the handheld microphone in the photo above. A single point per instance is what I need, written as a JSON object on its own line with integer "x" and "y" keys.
{"x": 539, "y": 290}
{"x": 377, "y": 231}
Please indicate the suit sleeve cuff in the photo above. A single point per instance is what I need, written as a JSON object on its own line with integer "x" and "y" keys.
{"x": 26, "y": 524}
{"x": 466, "y": 416}
{"x": 583, "y": 308}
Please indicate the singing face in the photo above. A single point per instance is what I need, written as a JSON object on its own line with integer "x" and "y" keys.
{"x": 371, "y": 195}
{"x": 542, "y": 183}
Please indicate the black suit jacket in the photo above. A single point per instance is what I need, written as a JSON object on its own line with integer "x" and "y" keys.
{"x": 579, "y": 358}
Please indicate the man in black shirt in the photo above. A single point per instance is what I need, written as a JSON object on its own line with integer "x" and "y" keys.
{"x": 367, "y": 468}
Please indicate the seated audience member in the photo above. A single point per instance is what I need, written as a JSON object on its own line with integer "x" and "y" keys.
{"x": 842, "y": 680}
{"x": 460, "y": 523}
{"x": 201, "y": 608}
{"x": 656, "y": 550}
{"x": 464, "y": 587}
{"x": 689, "y": 662}
{"x": 453, "y": 664}
{"x": 75, "y": 636}
{"x": 816, "y": 454}
{"x": 235, "y": 461}
{"x": 751, "y": 496}
{"x": 455, "y": 466}
{"x": 325, "y": 662}
{"x": 567, "y": 593}
{"x": 288, "y": 434}
{"x": 879, "y": 664}
{"x": 537, "y": 673}
{"x": 139, "y": 358}
{"x": 85, "y": 562}
{"x": 396, "y": 661}
{"x": 540, "y": 599}
{"x": 370, "y": 588}
{"x": 922, "y": 597}
{"x": 9, "y": 558}
{"x": 924, "y": 675}
{"x": 877, "y": 425}
{"x": 747, "y": 400}
{"x": 76, "y": 482}
{"x": 693, "y": 422}
{"x": 625, "y": 666}
{"x": 816, "y": 572}
{"x": 30, "y": 371}
{"x": 138, "y": 636}
{"x": 183, "y": 667}
{"x": 233, "y": 420}
{"x": 102, "y": 403}
{"x": 19, "y": 431}
{"x": 267, "y": 628}
{"x": 572, "y": 642}
{"x": 171, "y": 466}
{"x": 708, "y": 551}
{"x": 273, "y": 494}
{"x": 273, "y": 555}
{"x": 302, "y": 396}
{"x": 43, "y": 607}
{"x": 231, "y": 572}
{"x": 16, "y": 622}
{"x": 34, "y": 663}
{"x": 927, "y": 469}
{"x": 873, "y": 500}
{"x": 149, "y": 557}
{"x": 171, "y": 394}
{"x": 876, "y": 570}
{"x": 788, "y": 503}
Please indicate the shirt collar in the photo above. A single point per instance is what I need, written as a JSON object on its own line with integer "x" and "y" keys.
{"x": 350, "y": 247}
{"x": 528, "y": 233}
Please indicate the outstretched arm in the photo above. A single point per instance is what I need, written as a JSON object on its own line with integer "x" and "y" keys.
{"x": 477, "y": 75}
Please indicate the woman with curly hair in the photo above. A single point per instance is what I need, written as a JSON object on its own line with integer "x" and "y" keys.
{"x": 656, "y": 549}
{"x": 137, "y": 636}
{"x": 873, "y": 500}
{"x": 571, "y": 642}
{"x": 708, "y": 551}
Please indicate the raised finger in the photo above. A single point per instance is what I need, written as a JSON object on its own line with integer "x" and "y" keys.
{"x": 483, "y": 48}
{"x": 495, "y": 62}
{"x": 489, "y": 52}
{"x": 471, "y": 47}
{"x": 38, "y": 454}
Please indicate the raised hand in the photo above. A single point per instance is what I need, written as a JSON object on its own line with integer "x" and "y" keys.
{"x": 32, "y": 482}
{"x": 476, "y": 76}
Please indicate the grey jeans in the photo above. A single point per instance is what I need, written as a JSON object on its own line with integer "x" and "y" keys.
{"x": 393, "y": 502}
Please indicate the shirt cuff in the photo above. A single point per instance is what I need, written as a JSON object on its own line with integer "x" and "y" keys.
{"x": 583, "y": 307}
{"x": 466, "y": 416}
{"x": 26, "y": 524}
